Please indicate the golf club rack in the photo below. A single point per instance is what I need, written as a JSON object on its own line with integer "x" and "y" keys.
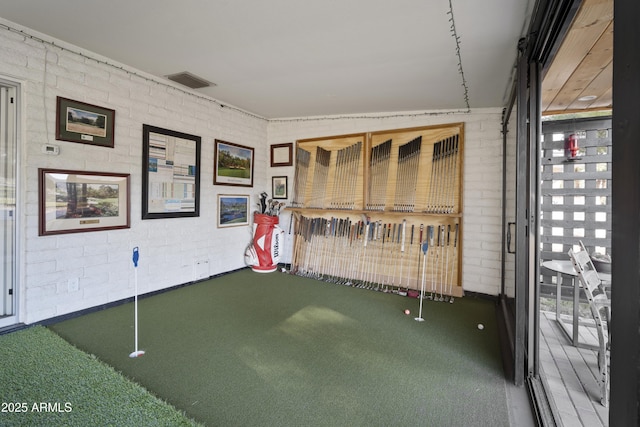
{"x": 381, "y": 210}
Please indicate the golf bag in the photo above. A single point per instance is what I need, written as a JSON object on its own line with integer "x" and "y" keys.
{"x": 264, "y": 252}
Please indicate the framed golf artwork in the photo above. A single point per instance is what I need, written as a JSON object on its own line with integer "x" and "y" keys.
{"x": 73, "y": 201}
{"x": 233, "y": 210}
{"x": 232, "y": 164}
{"x": 170, "y": 174}
{"x": 84, "y": 123}
{"x": 279, "y": 187}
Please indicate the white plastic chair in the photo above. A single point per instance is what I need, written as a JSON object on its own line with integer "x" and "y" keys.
{"x": 600, "y": 306}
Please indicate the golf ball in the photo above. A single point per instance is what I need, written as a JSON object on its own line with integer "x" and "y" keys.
{"x": 480, "y": 326}
{"x": 407, "y": 312}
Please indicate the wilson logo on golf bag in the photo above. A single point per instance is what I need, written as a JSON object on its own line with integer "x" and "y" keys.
{"x": 275, "y": 247}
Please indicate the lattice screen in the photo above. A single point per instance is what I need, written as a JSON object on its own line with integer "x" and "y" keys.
{"x": 576, "y": 192}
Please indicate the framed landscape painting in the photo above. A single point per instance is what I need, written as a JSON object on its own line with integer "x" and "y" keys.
{"x": 75, "y": 201}
{"x": 233, "y": 210}
{"x": 232, "y": 164}
{"x": 279, "y": 187}
{"x": 84, "y": 123}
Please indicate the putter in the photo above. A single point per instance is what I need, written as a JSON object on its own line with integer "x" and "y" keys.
{"x": 425, "y": 248}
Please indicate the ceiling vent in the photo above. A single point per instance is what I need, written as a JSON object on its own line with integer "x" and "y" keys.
{"x": 189, "y": 80}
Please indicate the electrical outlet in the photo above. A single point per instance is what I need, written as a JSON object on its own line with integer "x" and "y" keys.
{"x": 73, "y": 284}
{"x": 201, "y": 270}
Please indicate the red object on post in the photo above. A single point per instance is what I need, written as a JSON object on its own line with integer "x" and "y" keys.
{"x": 571, "y": 146}
{"x": 266, "y": 243}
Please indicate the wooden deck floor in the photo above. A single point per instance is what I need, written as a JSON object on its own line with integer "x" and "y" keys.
{"x": 570, "y": 374}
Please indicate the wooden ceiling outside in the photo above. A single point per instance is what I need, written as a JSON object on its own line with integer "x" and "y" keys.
{"x": 583, "y": 65}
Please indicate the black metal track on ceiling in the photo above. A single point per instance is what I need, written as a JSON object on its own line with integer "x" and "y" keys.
{"x": 549, "y": 25}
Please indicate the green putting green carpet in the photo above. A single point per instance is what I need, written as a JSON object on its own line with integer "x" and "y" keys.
{"x": 44, "y": 381}
{"x": 250, "y": 349}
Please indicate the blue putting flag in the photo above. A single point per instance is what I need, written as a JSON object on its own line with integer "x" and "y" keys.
{"x": 136, "y": 256}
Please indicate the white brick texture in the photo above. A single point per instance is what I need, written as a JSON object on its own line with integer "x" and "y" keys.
{"x": 101, "y": 260}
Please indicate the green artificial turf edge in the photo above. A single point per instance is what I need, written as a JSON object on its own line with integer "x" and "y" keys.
{"x": 47, "y": 381}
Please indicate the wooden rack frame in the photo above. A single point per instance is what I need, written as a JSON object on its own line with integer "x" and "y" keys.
{"x": 317, "y": 176}
{"x": 370, "y": 186}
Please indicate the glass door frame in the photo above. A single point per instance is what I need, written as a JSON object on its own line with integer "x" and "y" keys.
{"x": 10, "y": 141}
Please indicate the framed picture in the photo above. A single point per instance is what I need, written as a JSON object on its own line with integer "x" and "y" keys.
{"x": 279, "y": 187}
{"x": 282, "y": 154}
{"x": 232, "y": 164}
{"x": 84, "y": 123}
{"x": 76, "y": 201}
{"x": 170, "y": 174}
{"x": 233, "y": 210}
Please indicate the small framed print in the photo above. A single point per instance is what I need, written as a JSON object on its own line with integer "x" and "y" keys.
{"x": 77, "y": 201}
{"x": 279, "y": 187}
{"x": 84, "y": 123}
{"x": 282, "y": 154}
{"x": 233, "y": 210}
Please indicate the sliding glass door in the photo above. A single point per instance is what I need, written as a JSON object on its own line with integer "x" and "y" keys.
{"x": 8, "y": 162}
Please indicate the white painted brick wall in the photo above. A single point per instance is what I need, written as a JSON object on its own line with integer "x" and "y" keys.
{"x": 482, "y": 197}
{"x": 101, "y": 261}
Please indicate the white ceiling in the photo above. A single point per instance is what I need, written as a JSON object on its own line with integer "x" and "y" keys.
{"x": 293, "y": 58}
